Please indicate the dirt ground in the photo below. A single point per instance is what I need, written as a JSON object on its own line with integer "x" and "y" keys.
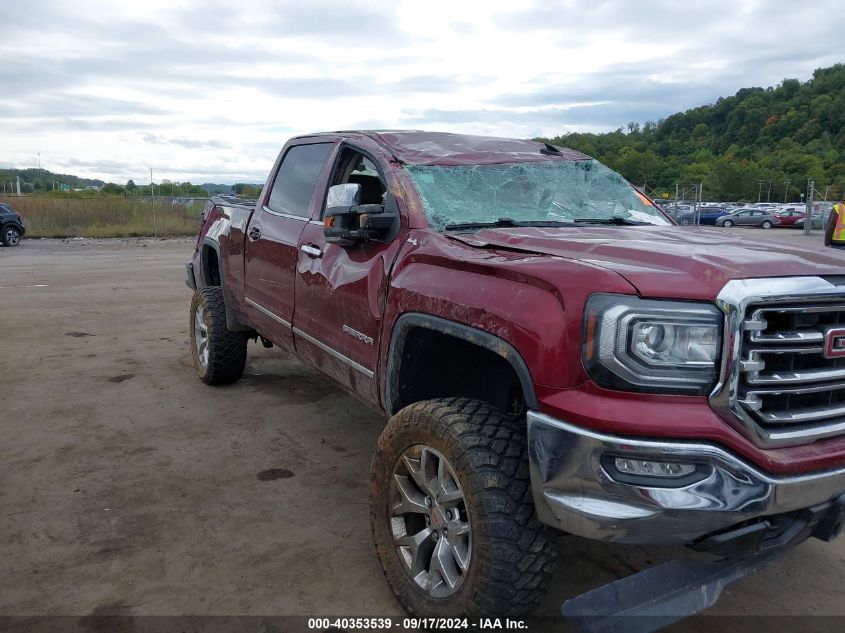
{"x": 127, "y": 486}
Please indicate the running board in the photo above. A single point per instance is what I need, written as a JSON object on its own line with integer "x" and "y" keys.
{"x": 660, "y": 595}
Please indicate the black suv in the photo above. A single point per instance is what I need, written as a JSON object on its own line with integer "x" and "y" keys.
{"x": 11, "y": 226}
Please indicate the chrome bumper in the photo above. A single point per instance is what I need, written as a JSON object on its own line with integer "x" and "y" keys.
{"x": 575, "y": 492}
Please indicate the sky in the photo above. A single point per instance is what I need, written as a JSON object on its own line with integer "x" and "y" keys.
{"x": 209, "y": 91}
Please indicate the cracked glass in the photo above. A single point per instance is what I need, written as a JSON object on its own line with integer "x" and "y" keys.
{"x": 562, "y": 191}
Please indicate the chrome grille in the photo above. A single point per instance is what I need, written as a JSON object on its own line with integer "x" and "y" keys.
{"x": 786, "y": 385}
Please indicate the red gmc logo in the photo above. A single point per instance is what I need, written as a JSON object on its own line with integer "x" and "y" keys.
{"x": 834, "y": 342}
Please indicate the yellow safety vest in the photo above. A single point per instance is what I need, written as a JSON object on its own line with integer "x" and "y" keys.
{"x": 839, "y": 229}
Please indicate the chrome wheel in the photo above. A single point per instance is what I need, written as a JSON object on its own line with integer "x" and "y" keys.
{"x": 429, "y": 521}
{"x": 12, "y": 237}
{"x": 201, "y": 335}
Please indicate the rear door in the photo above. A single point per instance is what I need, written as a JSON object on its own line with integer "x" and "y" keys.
{"x": 273, "y": 236}
{"x": 341, "y": 290}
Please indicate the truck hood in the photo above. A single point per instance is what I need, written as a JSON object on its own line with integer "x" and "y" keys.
{"x": 670, "y": 261}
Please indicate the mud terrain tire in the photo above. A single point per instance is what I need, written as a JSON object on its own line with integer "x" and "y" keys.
{"x": 511, "y": 555}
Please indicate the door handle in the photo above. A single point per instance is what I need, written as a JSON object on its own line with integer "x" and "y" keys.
{"x": 311, "y": 251}
{"x": 254, "y": 234}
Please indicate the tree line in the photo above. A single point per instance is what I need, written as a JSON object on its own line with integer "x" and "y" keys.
{"x": 760, "y": 142}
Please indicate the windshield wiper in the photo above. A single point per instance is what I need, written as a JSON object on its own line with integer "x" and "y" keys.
{"x": 503, "y": 223}
{"x": 615, "y": 220}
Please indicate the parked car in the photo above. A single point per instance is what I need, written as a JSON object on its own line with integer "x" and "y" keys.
{"x": 580, "y": 363}
{"x": 748, "y": 217}
{"x": 819, "y": 221}
{"x": 12, "y": 227}
{"x": 788, "y": 217}
{"x": 707, "y": 215}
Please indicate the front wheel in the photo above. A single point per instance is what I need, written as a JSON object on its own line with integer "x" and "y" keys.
{"x": 727, "y": 223}
{"x": 11, "y": 236}
{"x": 452, "y": 514}
{"x": 766, "y": 225}
{"x": 685, "y": 222}
{"x": 219, "y": 355}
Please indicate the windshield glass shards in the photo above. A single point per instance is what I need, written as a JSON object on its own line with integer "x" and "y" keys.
{"x": 553, "y": 191}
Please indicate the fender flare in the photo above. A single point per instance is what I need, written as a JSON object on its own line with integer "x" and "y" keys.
{"x": 412, "y": 320}
{"x": 232, "y": 324}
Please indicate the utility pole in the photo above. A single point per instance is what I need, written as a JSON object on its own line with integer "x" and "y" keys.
{"x": 769, "y": 194}
{"x": 676, "y": 197}
{"x": 39, "y": 161}
{"x": 808, "y": 216}
{"x": 759, "y": 189}
{"x": 153, "y": 194}
{"x": 19, "y": 185}
{"x": 785, "y": 190}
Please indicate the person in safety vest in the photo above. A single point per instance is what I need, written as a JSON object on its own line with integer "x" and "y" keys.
{"x": 834, "y": 233}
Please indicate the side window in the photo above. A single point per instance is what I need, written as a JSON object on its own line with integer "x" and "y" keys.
{"x": 354, "y": 167}
{"x": 297, "y": 177}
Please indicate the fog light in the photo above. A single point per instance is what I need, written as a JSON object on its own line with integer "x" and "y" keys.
{"x": 652, "y": 469}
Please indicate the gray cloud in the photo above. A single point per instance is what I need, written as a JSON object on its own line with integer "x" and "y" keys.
{"x": 142, "y": 77}
{"x": 188, "y": 143}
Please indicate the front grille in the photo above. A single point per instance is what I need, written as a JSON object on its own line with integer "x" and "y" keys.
{"x": 786, "y": 384}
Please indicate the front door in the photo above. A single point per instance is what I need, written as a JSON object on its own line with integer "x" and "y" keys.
{"x": 273, "y": 237}
{"x": 341, "y": 290}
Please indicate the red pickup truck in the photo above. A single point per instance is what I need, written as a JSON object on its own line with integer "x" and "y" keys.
{"x": 550, "y": 349}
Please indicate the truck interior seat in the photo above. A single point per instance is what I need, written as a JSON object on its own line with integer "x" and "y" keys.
{"x": 372, "y": 191}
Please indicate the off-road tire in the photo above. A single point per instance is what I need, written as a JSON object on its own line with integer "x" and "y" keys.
{"x": 226, "y": 349}
{"x": 512, "y": 553}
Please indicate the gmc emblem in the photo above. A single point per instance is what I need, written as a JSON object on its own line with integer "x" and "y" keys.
{"x": 834, "y": 342}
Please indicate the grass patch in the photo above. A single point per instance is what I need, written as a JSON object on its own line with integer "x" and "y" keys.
{"x": 107, "y": 217}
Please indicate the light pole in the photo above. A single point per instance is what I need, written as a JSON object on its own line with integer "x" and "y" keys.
{"x": 153, "y": 195}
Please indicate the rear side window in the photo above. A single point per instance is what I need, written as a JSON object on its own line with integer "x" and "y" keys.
{"x": 297, "y": 177}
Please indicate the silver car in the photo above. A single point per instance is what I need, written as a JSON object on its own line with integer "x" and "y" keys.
{"x": 748, "y": 217}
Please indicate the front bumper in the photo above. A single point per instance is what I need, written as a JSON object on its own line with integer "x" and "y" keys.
{"x": 576, "y": 491}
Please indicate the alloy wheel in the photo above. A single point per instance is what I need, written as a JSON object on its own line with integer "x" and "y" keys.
{"x": 12, "y": 237}
{"x": 430, "y": 522}
{"x": 201, "y": 335}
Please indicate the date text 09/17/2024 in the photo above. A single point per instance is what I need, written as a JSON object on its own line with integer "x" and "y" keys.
{"x": 410, "y": 624}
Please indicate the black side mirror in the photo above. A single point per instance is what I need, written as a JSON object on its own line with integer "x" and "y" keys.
{"x": 346, "y": 221}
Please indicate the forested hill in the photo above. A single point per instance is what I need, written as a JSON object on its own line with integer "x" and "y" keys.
{"x": 750, "y": 144}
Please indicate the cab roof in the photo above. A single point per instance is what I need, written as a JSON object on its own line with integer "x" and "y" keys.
{"x": 416, "y": 147}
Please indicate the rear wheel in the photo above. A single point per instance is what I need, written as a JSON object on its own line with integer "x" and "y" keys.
{"x": 11, "y": 236}
{"x": 685, "y": 221}
{"x": 452, "y": 512}
{"x": 219, "y": 355}
{"x": 727, "y": 223}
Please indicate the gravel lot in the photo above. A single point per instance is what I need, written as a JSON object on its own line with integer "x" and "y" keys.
{"x": 128, "y": 487}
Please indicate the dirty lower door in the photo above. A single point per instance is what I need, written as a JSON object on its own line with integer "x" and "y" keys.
{"x": 272, "y": 239}
{"x": 340, "y": 290}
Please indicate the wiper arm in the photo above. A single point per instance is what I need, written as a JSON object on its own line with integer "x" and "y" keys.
{"x": 503, "y": 223}
{"x": 615, "y": 220}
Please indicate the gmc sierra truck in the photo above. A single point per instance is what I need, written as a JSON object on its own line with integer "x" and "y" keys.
{"x": 553, "y": 353}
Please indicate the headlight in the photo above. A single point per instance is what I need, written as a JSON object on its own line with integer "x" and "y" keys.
{"x": 654, "y": 346}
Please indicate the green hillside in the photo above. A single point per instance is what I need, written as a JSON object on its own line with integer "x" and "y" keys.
{"x": 760, "y": 142}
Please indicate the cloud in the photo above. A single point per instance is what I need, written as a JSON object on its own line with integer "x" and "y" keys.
{"x": 113, "y": 88}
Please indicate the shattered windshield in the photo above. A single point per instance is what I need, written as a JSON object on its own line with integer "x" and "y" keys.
{"x": 544, "y": 191}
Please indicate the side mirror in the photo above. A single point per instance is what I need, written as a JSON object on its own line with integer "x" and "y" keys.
{"x": 346, "y": 221}
{"x": 348, "y": 195}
